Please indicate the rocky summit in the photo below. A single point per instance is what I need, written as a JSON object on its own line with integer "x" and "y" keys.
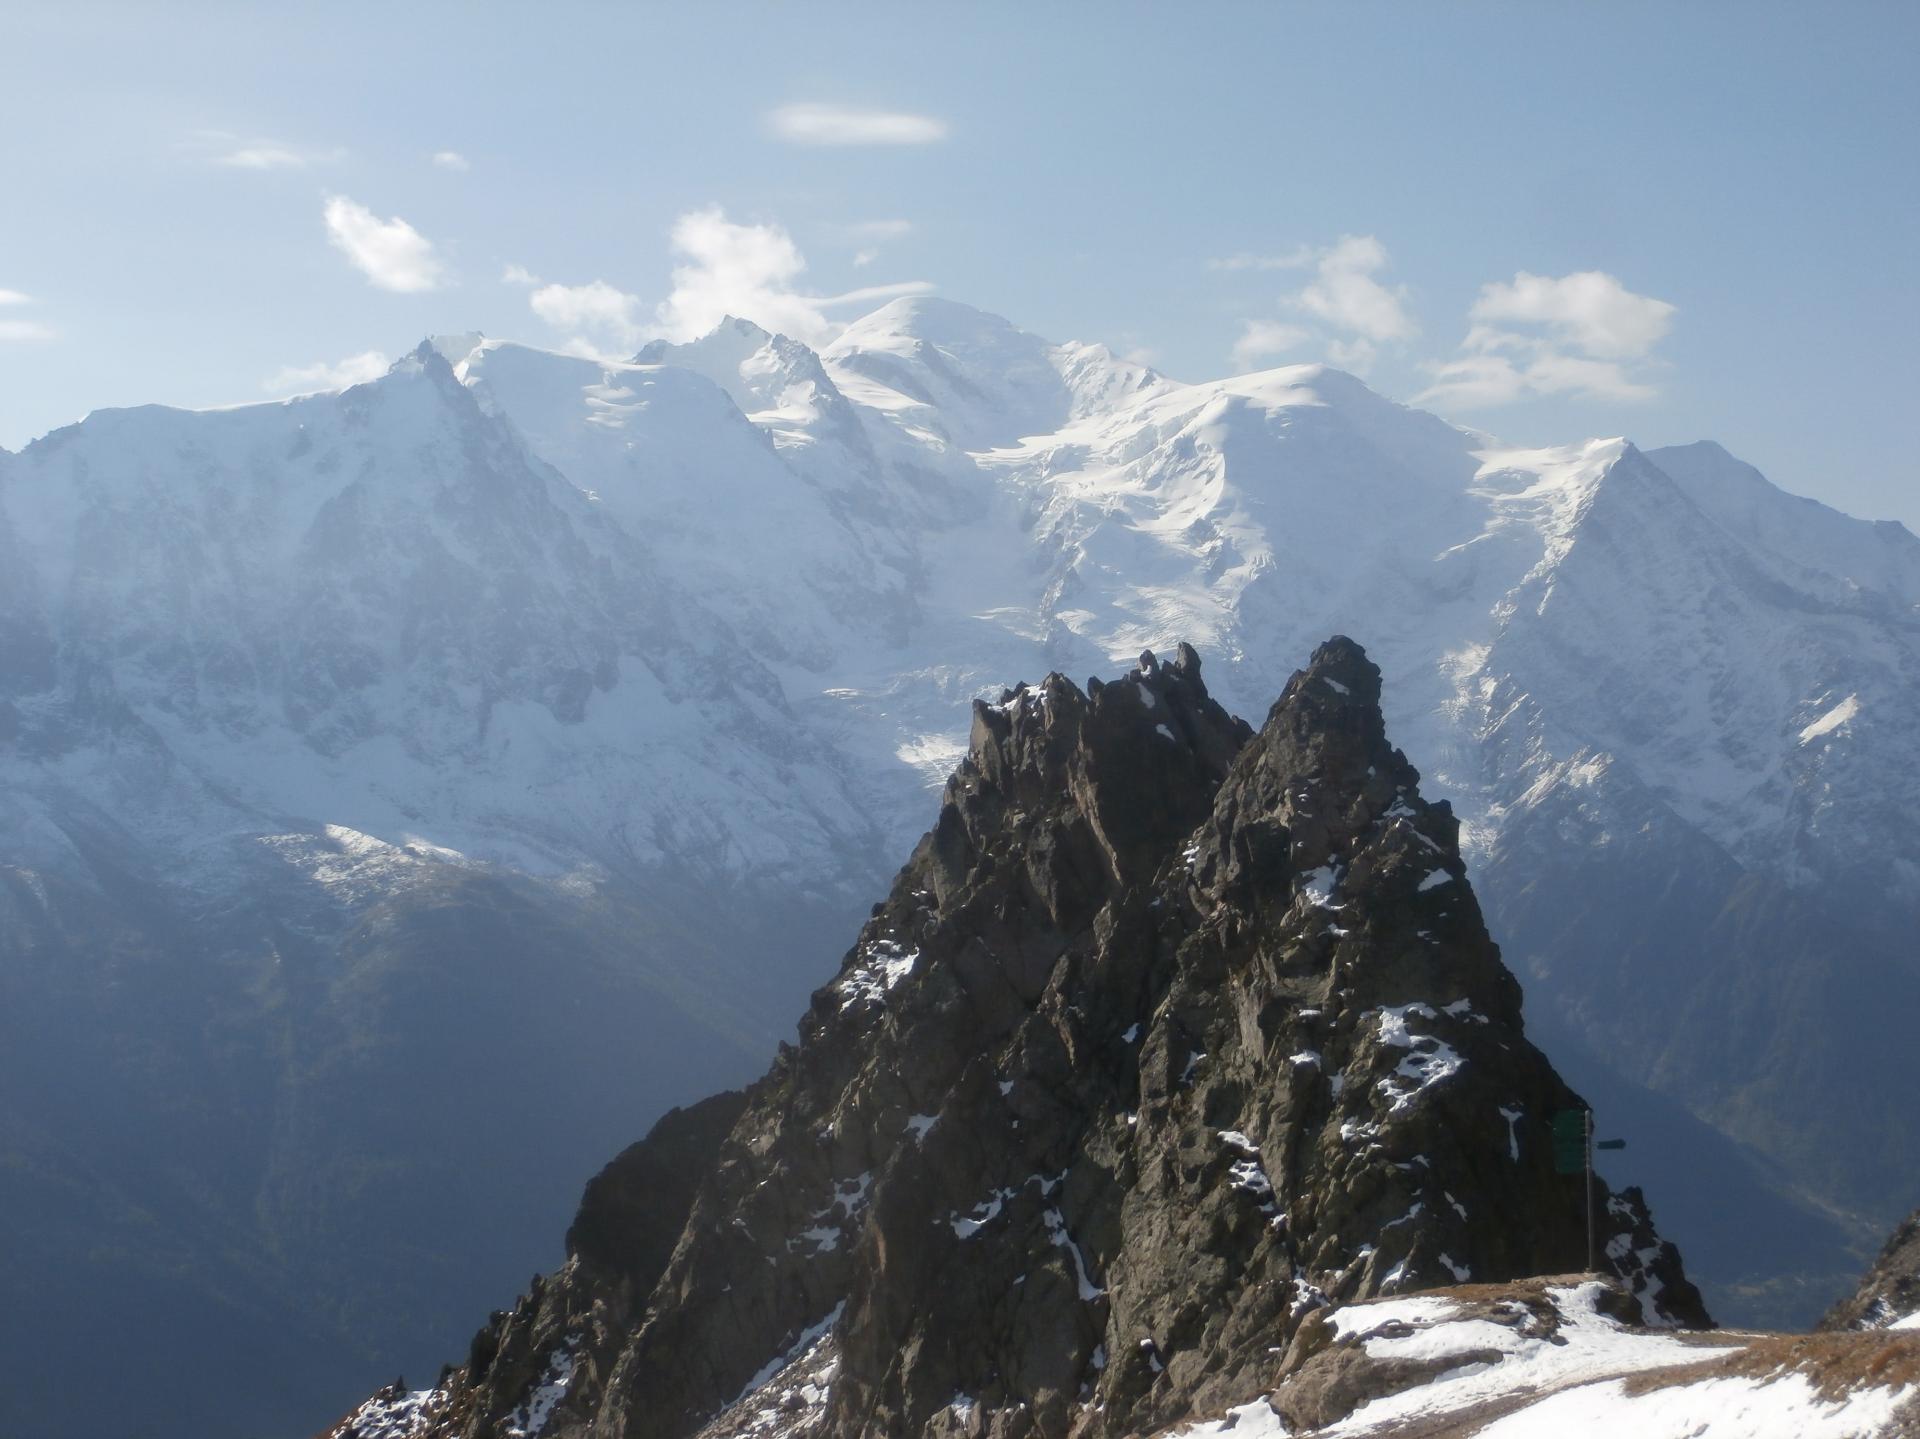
{"x": 1169, "y": 1035}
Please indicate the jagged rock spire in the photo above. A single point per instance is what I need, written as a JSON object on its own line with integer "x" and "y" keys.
{"x": 1168, "y": 1034}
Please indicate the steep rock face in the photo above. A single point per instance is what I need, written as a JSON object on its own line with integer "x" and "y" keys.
{"x": 1889, "y": 1295}
{"x": 1168, "y": 1034}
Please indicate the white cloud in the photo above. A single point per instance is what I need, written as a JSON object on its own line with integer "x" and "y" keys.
{"x": 1262, "y": 338}
{"x": 604, "y": 319}
{"x": 1354, "y": 311}
{"x": 823, "y": 124}
{"x": 264, "y": 157}
{"x": 749, "y": 271}
{"x": 876, "y": 232}
{"x": 1585, "y": 335}
{"x": 744, "y": 270}
{"x": 452, "y": 160}
{"x": 518, "y": 275}
{"x": 867, "y": 294}
{"x": 1483, "y": 381}
{"x": 390, "y": 253}
{"x": 221, "y": 147}
{"x": 1473, "y": 382}
{"x": 1589, "y": 310}
{"x": 1556, "y": 374}
{"x": 21, "y": 330}
{"x": 305, "y": 379}
{"x": 1345, "y": 294}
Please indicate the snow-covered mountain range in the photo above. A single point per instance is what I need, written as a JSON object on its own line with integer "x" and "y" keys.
{"x": 515, "y": 735}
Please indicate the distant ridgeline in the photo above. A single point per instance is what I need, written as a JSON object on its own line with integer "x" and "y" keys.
{"x": 1169, "y": 1036}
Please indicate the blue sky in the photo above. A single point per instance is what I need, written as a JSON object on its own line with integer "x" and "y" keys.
{"x": 1667, "y": 221}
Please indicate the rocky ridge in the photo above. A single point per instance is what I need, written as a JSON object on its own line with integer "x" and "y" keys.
{"x": 1889, "y": 1293}
{"x": 1169, "y": 1035}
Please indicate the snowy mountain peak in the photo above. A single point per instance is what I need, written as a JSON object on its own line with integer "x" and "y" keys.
{"x": 454, "y": 349}
{"x": 974, "y": 378}
{"x": 769, "y": 376}
{"x": 958, "y": 328}
{"x": 1802, "y": 538}
{"x": 425, "y": 357}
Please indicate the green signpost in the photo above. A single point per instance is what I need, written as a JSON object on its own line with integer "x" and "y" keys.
{"x": 1570, "y": 1141}
{"x": 1573, "y": 1146}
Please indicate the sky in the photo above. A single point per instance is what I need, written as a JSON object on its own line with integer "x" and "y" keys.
{"x": 1544, "y": 221}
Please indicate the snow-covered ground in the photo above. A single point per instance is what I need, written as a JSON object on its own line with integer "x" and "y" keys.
{"x": 1517, "y": 1368}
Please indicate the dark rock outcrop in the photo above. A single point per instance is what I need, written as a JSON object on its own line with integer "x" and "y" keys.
{"x": 1890, "y": 1291}
{"x": 632, "y": 1211}
{"x": 1169, "y": 1034}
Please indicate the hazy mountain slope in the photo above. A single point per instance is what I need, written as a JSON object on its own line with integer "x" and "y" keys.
{"x": 662, "y": 660}
{"x": 383, "y": 797}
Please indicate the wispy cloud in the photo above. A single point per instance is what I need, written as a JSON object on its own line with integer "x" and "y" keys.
{"x": 235, "y": 152}
{"x": 518, "y": 275}
{"x": 390, "y": 253}
{"x": 868, "y": 294}
{"x": 828, "y": 124}
{"x": 876, "y": 232}
{"x": 452, "y": 160}
{"x": 264, "y": 157}
{"x": 1264, "y": 339}
{"x": 306, "y": 379}
{"x": 1583, "y": 334}
{"x": 1346, "y": 295}
{"x": 1345, "y": 309}
{"x": 1297, "y": 258}
{"x": 11, "y": 329}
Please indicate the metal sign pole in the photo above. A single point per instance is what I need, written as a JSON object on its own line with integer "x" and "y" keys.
{"x": 1573, "y": 1146}
{"x": 1591, "y": 1266}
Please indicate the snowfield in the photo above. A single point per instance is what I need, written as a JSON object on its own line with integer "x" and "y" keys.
{"x": 1514, "y": 1367}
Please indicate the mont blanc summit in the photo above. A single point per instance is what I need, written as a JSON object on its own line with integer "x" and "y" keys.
{"x": 521, "y": 733}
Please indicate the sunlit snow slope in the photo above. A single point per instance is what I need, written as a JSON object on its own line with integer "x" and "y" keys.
{"x": 1548, "y": 1358}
